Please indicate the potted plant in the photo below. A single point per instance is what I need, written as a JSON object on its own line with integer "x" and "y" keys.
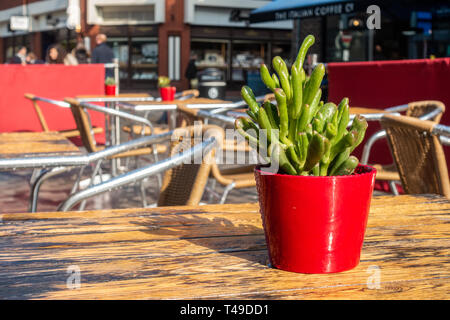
{"x": 166, "y": 92}
{"x": 110, "y": 86}
{"x": 314, "y": 196}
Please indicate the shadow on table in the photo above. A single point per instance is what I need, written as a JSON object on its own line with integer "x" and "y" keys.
{"x": 217, "y": 234}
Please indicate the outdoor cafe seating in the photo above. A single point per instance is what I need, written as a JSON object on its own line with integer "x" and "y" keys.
{"x": 224, "y": 240}
{"x": 425, "y": 110}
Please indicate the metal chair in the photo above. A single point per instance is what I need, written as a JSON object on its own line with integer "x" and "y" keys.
{"x": 83, "y": 122}
{"x": 418, "y": 154}
{"x": 185, "y": 184}
{"x": 425, "y": 110}
{"x": 187, "y": 94}
{"x": 82, "y": 118}
{"x": 230, "y": 178}
{"x": 186, "y": 174}
{"x": 137, "y": 129}
{"x": 54, "y": 165}
{"x": 66, "y": 133}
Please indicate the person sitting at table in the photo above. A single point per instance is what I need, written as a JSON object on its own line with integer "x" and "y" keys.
{"x": 19, "y": 57}
{"x": 33, "y": 59}
{"x": 57, "y": 55}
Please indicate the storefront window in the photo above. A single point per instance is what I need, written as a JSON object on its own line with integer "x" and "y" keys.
{"x": 120, "y": 49}
{"x": 247, "y": 56}
{"x": 211, "y": 54}
{"x": 144, "y": 59}
{"x": 12, "y": 44}
{"x": 138, "y": 58}
{"x": 282, "y": 50}
{"x": 345, "y": 41}
{"x": 240, "y": 59}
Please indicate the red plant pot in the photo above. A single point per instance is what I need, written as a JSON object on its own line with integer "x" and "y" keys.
{"x": 315, "y": 224}
{"x": 110, "y": 90}
{"x": 167, "y": 93}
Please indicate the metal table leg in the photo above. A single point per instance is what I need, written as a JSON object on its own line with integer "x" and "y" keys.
{"x": 172, "y": 119}
{"x": 113, "y": 140}
{"x": 45, "y": 174}
{"x": 117, "y": 135}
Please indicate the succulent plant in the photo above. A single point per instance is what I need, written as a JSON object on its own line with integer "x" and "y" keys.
{"x": 304, "y": 135}
{"x": 163, "y": 81}
{"x": 110, "y": 81}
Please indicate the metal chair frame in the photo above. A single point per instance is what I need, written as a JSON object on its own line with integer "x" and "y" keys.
{"x": 57, "y": 164}
{"x": 196, "y": 152}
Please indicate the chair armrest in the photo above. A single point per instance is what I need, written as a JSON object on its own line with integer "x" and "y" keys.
{"x": 118, "y": 113}
{"x": 196, "y": 152}
{"x": 399, "y": 108}
{"x": 82, "y": 160}
{"x": 219, "y": 117}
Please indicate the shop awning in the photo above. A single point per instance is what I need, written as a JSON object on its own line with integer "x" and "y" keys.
{"x": 295, "y": 9}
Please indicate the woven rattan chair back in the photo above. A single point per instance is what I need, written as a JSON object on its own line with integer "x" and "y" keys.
{"x": 187, "y": 116}
{"x": 185, "y": 184}
{"x": 420, "y": 108}
{"x": 84, "y": 126}
{"x": 418, "y": 155}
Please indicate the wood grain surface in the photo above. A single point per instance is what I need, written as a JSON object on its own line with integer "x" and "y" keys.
{"x": 215, "y": 252}
{"x": 34, "y": 144}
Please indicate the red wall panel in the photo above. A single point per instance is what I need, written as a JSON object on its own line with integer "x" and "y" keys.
{"x": 384, "y": 84}
{"x": 50, "y": 81}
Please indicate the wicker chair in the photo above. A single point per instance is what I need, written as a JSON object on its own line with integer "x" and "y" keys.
{"x": 83, "y": 122}
{"x": 185, "y": 184}
{"x": 418, "y": 155}
{"x": 184, "y": 181}
{"x": 427, "y": 110}
{"x": 66, "y": 133}
{"x": 230, "y": 178}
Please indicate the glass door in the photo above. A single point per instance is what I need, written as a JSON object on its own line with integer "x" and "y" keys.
{"x": 144, "y": 60}
{"x": 120, "y": 49}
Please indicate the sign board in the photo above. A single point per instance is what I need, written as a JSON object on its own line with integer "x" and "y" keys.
{"x": 19, "y": 23}
{"x": 287, "y": 10}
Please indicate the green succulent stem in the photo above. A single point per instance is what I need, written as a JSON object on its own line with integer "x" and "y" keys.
{"x": 305, "y": 135}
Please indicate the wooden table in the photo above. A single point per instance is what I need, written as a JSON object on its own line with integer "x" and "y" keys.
{"x": 215, "y": 252}
{"x": 35, "y": 144}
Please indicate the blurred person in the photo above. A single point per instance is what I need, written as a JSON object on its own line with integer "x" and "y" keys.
{"x": 191, "y": 72}
{"x": 80, "y": 53}
{"x": 379, "y": 55}
{"x": 102, "y": 53}
{"x": 57, "y": 55}
{"x": 31, "y": 58}
{"x": 20, "y": 56}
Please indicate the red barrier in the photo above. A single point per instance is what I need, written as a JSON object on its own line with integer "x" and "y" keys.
{"x": 50, "y": 81}
{"x": 384, "y": 84}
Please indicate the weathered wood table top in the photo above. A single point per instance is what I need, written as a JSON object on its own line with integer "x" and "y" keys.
{"x": 215, "y": 252}
{"x": 35, "y": 144}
